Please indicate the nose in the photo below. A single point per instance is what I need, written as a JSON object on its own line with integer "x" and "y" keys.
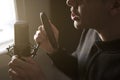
{"x": 71, "y": 3}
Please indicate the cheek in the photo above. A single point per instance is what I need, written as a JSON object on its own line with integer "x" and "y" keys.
{"x": 85, "y": 16}
{"x": 91, "y": 16}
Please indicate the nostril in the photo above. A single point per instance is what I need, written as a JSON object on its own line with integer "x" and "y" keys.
{"x": 69, "y": 2}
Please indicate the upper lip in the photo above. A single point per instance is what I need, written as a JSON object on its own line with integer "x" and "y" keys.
{"x": 74, "y": 14}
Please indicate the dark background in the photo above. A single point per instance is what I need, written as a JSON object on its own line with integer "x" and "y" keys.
{"x": 60, "y": 16}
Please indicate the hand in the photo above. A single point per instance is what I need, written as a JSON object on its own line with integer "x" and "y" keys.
{"x": 25, "y": 70}
{"x": 41, "y": 38}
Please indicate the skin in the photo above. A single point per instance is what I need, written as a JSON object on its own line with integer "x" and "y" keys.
{"x": 102, "y": 15}
{"x": 25, "y": 69}
{"x": 41, "y": 38}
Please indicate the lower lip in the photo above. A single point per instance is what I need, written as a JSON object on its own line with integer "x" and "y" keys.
{"x": 75, "y": 18}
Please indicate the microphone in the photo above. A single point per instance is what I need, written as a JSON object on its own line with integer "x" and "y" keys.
{"x": 48, "y": 29}
{"x": 22, "y": 45}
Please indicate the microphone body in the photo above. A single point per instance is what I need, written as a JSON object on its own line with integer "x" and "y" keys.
{"x": 22, "y": 45}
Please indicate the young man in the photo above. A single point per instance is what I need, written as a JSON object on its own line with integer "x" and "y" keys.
{"x": 102, "y": 62}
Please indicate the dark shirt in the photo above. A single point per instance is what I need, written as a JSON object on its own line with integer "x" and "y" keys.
{"x": 104, "y": 64}
{"x": 101, "y": 62}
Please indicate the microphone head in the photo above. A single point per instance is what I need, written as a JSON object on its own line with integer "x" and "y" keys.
{"x": 22, "y": 45}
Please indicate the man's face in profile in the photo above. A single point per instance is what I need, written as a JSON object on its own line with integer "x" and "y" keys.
{"x": 88, "y": 13}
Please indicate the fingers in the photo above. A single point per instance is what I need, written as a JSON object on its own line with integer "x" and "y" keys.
{"x": 40, "y": 35}
{"x": 29, "y": 60}
{"x": 53, "y": 27}
{"x": 19, "y": 69}
{"x": 41, "y": 38}
{"x": 43, "y": 33}
{"x": 18, "y": 62}
{"x": 55, "y": 30}
{"x": 24, "y": 70}
{"x": 14, "y": 75}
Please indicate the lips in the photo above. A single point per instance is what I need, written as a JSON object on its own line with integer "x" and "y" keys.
{"x": 75, "y": 17}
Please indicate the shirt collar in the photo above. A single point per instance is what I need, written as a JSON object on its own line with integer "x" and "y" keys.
{"x": 113, "y": 45}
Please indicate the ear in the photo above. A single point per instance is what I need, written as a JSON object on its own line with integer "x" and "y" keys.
{"x": 113, "y": 7}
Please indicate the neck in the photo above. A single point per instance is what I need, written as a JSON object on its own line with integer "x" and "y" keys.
{"x": 110, "y": 34}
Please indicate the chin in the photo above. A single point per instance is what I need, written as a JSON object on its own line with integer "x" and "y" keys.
{"x": 77, "y": 25}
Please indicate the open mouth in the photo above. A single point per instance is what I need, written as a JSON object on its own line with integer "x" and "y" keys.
{"x": 75, "y": 17}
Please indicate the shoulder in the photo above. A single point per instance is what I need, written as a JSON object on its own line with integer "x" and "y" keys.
{"x": 107, "y": 66}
